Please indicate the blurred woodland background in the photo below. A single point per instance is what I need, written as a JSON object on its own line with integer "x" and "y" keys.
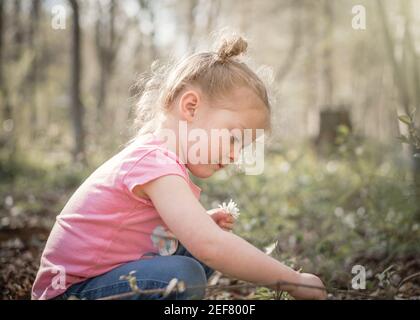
{"x": 341, "y": 185}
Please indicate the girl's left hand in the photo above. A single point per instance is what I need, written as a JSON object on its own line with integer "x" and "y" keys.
{"x": 222, "y": 218}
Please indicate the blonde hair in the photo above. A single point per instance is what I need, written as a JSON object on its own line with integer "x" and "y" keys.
{"x": 215, "y": 72}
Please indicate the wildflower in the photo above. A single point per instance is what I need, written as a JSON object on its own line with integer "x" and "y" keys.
{"x": 231, "y": 208}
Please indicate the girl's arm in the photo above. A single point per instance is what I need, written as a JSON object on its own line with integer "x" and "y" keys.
{"x": 221, "y": 250}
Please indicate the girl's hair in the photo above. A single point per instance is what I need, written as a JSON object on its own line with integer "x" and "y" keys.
{"x": 215, "y": 72}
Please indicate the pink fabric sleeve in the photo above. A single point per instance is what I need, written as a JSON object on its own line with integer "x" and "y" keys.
{"x": 153, "y": 165}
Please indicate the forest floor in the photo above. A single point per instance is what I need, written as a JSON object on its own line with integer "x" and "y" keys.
{"x": 327, "y": 216}
{"x": 23, "y": 236}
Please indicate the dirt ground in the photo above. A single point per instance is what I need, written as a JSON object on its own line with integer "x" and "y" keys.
{"x": 23, "y": 236}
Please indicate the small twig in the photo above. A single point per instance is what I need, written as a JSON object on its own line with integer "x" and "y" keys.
{"x": 410, "y": 277}
{"x": 136, "y": 291}
{"x": 179, "y": 286}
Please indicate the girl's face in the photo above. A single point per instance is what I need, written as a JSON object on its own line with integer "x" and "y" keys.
{"x": 218, "y": 130}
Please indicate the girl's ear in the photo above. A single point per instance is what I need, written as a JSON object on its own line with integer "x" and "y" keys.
{"x": 188, "y": 105}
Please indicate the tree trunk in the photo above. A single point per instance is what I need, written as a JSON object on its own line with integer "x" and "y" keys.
{"x": 147, "y": 6}
{"x": 328, "y": 54}
{"x": 76, "y": 103}
{"x": 404, "y": 77}
{"x": 414, "y": 68}
{"x": 190, "y": 25}
{"x": 18, "y": 30}
{"x": 3, "y": 88}
{"x": 1, "y": 45}
{"x": 32, "y": 77}
{"x": 296, "y": 43}
{"x": 390, "y": 47}
{"x": 330, "y": 120}
{"x": 107, "y": 45}
{"x": 7, "y": 116}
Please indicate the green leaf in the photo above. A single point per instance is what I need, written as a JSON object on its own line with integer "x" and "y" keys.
{"x": 404, "y": 118}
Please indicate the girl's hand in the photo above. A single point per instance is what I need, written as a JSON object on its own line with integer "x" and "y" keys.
{"x": 223, "y": 219}
{"x": 307, "y": 293}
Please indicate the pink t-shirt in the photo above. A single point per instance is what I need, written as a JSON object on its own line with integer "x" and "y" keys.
{"x": 104, "y": 224}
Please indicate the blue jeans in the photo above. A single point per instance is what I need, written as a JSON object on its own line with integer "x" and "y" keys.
{"x": 153, "y": 272}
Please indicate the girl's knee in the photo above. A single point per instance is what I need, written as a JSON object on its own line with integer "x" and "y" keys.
{"x": 192, "y": 273}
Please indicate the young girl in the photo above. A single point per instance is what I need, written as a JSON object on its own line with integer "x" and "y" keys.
{"x": 140, "y": 211}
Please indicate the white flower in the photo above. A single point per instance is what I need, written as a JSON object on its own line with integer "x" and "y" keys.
{"x": 231, "y": 208}
{"x": 269, "y": 249}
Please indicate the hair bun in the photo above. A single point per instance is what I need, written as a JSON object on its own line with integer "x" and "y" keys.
{"x": 231, "y": 47}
